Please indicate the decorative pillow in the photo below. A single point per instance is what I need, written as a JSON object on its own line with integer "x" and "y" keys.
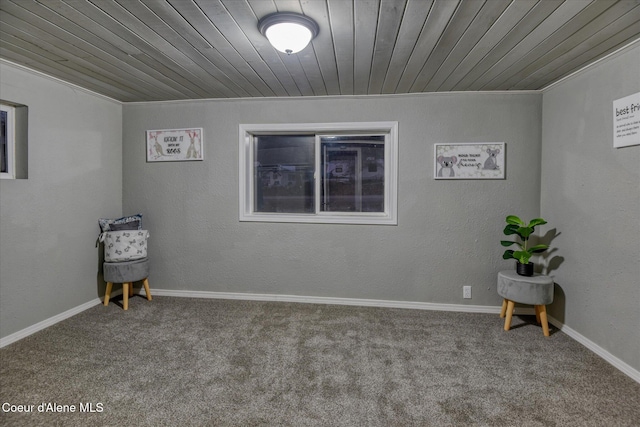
{"x": 124, "y": 245}
{"x": 134, "y": 222}
{"x": 133, "y": 225}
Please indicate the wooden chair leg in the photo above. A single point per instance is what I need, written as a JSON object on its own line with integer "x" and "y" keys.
{"x": 130, "y": 289}
{"x": 145, "y": 283}
{"x": 107, "y": 293}
{"x": 125, "y": 295}
{"x": 504, "y": 308}
{"x": 537, "y": 309}
{"x": 507, "y": 322}
{"x": 543, "y": 319}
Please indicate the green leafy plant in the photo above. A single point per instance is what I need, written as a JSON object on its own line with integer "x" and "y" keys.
{"x": 523, "y": 230}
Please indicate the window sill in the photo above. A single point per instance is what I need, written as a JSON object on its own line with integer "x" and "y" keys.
{"x": 329, "y": 218}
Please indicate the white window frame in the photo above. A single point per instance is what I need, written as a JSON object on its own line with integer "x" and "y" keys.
{"x": 247, "y": 133}
{"x": 11, "y": 142}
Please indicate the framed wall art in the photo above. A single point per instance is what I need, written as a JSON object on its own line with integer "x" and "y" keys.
{"x": 175, "y": 145}
{"x": 626, "y": 121}
{"x": 469, "y": 160}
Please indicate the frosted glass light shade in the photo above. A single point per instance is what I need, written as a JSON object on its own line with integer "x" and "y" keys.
{"x": 288, "y": 37}
{"x": 288, "y": 32}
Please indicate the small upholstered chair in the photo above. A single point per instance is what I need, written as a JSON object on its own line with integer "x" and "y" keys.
{"x": 126, "y": 272}
{"x": 536, "y": 290}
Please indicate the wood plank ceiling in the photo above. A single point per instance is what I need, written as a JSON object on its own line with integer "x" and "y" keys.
{"x": 150, "y": 50}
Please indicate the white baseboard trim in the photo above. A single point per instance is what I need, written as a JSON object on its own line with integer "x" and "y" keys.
{"x": 412, "y": 305}
{"x": 47, "y": 322}
{"x": 334, "y": 301}
{"x": 626, "y": 369}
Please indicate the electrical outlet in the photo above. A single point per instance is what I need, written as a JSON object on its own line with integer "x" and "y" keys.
{"x": 466, "y": 292}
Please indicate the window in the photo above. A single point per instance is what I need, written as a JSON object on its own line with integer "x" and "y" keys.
{"x": 7, "y": 141}
{"x": 14, "y": 126}
{"x": 324, "y": 173}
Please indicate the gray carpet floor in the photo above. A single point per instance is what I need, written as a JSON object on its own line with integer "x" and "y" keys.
{"x": 180, "y": 362}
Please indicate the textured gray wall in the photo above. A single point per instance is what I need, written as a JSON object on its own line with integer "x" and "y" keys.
{"x": 48, "y": 222}
{"x": 447, "y": 235}
{"x": 591, "y": 195}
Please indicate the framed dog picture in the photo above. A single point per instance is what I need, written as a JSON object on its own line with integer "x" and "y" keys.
{"x": 175, "y": 145}
{"x": 469, "y": 160}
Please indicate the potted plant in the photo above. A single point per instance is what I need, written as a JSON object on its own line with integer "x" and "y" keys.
{"x": 523, "y": 230}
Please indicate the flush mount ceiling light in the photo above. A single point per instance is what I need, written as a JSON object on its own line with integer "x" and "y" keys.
{"x": 287, "y": 31}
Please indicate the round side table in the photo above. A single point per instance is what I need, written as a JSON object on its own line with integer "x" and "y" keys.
{"x": 536, "y": 290}
{"x": 126, "y": 272}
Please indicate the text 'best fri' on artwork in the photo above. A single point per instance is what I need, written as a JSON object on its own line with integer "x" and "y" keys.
{"x": 484, "y": 160}
{"x": 626, "y": 121}
{"x": 170, "y": 145}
